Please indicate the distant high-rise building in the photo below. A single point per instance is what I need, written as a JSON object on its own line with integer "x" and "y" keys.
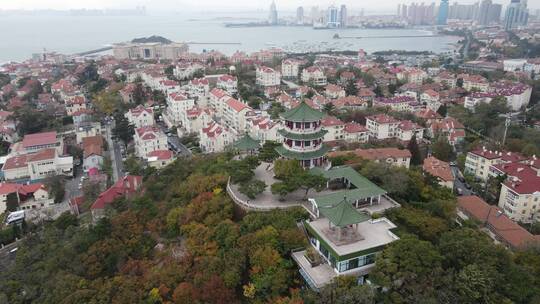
{"x": 300, "y": 15}
{"x": 488, "y": 12}
{"x": 343, "y": 16}
{"x": 404, "y": 11}
{"x": 273, "y": 18}
{"x": 443, "y": 13}
{"x": 463, "y": 11}
{"x": 333, "y": 18}
{"x": 517, "y": 14}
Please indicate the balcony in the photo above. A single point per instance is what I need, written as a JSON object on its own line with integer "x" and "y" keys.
{"x": 315, "y": 276}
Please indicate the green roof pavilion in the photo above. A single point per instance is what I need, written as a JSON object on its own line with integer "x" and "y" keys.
{"x": 302, "y": 113}
{"x": 246, "y": 143}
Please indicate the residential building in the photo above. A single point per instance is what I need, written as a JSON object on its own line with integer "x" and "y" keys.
{"x": 335, "y": 129}
{"x": 440, "y": 170}
{"x": 397, "y": 103}
{"x": 141, "y": 116}
{"x": 407, "y": 129}
{"x": 520, "y": 192}
{"x": 290, "y": 68}
{"x": 333, "y": 91}
{"x": 177, "y": 107}
{"x": 382, "y": 126}
{"x": 228, "y": 83}
{"x": 474, "y": 83}
{"x": 215, "y": 138}
{"x": 199, "y": 87}
{"x": 187, "y": 70}
{"x": 449, "y": 127}
{"x": 160, "y": 158}
{"x": 148, "y": 139}
{"x": 93, "y": 155}
{"x": 314, "y": 75}
{"x": 235, "y": 114}
{"x": 127, "y": 187}
{"x": 267, "y": 77}
{"x": 479, "y": 161}
{"x": 75, "y": 104}
{"x": 87, "y": 130}
{"x": 356, "y": 133}
{"x": 26, "y": 196}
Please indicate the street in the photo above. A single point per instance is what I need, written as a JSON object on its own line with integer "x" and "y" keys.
{"x": 458, "y": 184}
{"x": 115, "y": 153}
{"x": 174, "y": 141}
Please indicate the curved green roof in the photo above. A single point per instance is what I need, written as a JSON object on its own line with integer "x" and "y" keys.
{"x": 343, "y": 214}
{"x": 302, "y": 136}
{"x": 302, "y": 155}
{"x": 246, "y": 143}
{"x": 302, "y": 113}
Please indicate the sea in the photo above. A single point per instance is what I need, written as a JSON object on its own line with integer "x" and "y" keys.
{"x": 21, "y": 36}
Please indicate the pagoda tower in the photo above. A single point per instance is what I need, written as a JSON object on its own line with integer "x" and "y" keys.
{"x": 303, "y": 136}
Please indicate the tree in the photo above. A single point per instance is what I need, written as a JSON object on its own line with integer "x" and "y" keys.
{"x": 293, "y": 177}
{"x": 351, "y": 88}
{"x": 56, "y": 185}
{"x": 252, "y": 188}
{"x": 139, "y": 94}
{"x": 12, "y": 201}
{"x": 329, "y": 108}
{"x": 108, "y": 102}
{"x": 416, "y": 155}
{"x": 268, "y": 151}
{"x": 442, "y": 149}
{"x": 123, "y": 129}
{"x": 443, "y": 110}
{"x": 409, "y": 269}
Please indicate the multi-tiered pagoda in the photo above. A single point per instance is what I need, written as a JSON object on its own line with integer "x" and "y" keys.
{"x": 303, "y": 136}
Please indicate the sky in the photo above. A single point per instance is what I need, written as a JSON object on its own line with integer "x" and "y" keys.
{"x": 216, "y": 5}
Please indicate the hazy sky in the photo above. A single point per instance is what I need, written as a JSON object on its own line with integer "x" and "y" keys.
{"x": 199, "y": 5}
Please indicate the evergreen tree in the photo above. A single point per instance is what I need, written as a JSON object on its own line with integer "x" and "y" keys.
{"x": 416, "y": 155}
{"x": 351, "y": 88}
{"x": 443, "y": 110}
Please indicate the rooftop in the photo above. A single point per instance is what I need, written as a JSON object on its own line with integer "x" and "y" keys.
{"x": 366, "y": 235}
{"x": 303, "y": 113}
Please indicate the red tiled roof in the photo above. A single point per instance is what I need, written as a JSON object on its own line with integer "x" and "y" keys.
{"x": 161, "y": 154}
{"x": 329, "y": 121}
{"x": 39, "y": 139}
{"x": 438, "y": 168}
{"x": 504, "y": 228}
{"x": 125, "y": 186}
{"x": 236, "y": 105}
{"x": 355, "y": 128}
{"x": 383, "y": 119}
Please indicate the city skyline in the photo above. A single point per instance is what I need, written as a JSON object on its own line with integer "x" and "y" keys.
{"x": 163, "y": 5}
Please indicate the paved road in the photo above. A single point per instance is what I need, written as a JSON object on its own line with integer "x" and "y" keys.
{"x": 458, "y": 184}
{"x": 174, "y": 142}
{"x": 114, "y": 153}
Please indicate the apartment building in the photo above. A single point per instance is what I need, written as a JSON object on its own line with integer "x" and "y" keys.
{"x": 141, "y": 116}
{"x": 382, "y": 126}
{"x": 267, "y": 77}
{"x": 314, "y": 75}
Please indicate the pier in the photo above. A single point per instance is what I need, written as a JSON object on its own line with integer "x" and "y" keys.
{"x": 383, "y": 37}
{"x": 215, "y": 43}
{"x": 103, "y": 49}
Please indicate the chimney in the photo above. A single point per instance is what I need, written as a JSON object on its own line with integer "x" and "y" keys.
{"x": 499, "y": 213}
